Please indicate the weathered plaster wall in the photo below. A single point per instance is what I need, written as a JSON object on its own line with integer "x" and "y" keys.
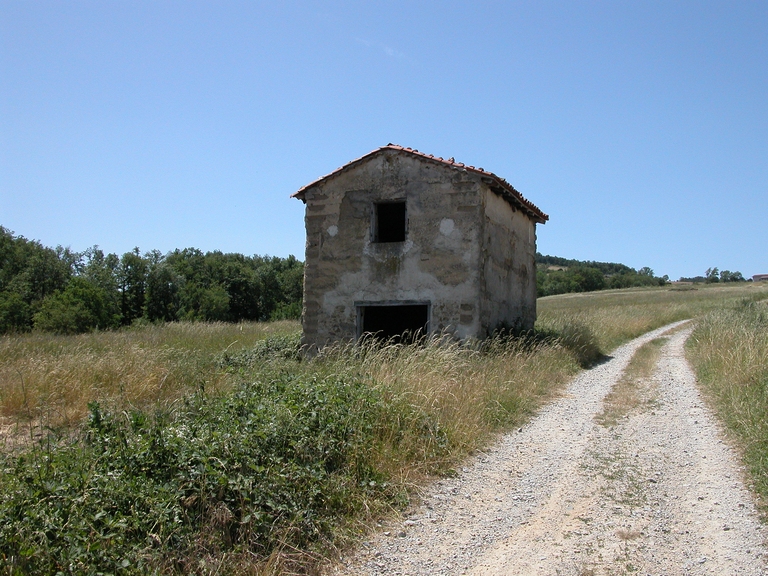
{"x": 509, "y": 273}
{"x": 438, "y": 262}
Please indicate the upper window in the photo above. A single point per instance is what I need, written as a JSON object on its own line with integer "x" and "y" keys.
{"x": 389, "y": 221}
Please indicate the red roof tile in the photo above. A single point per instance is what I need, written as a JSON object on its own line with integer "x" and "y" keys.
{"x": 498, "y": 184}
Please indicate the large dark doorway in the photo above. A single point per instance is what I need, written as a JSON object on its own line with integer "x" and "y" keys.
{"x": 400, "y": 322}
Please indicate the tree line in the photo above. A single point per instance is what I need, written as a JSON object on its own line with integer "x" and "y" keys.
{"x": 714, "y": 275}
{"x": 62, "y": 291}
{"x": 555, "y": 275}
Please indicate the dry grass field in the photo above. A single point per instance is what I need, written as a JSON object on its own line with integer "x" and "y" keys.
{"x": 50, "y": 379}
{"x": 616, "y": 316}
{"x": 244, "y": 457}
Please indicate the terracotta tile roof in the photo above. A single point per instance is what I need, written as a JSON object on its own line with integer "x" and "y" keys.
{"x": 497, "y": 184}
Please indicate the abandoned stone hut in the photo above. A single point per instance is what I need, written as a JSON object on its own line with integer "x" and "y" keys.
{"x": 399, "y": 240}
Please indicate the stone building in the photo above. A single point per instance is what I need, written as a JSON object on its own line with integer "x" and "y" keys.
{"x": 399, "y": 240}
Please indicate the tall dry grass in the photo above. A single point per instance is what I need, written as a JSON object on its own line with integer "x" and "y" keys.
{"x": 52, "y": 378}
{"x": 616, "y": 316}
{"x": 729, "y": 351}
{"x": 457, "y": 396}
{"x": 48, "y": 378}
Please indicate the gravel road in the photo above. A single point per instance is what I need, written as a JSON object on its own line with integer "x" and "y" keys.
{"x": 659, "y": 493}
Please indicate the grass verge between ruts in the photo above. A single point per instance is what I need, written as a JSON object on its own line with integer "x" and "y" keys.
{"x": 634, "y": 388}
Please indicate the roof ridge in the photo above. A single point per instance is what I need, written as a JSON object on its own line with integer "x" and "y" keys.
{"x": 503, "y": 184}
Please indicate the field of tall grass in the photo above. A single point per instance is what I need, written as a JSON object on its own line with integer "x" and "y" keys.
{"x": 50, "y": 379}
{"x": 195, "y": 448}
{"x": 616, "y": 316}
{"x": 257, "y": 454}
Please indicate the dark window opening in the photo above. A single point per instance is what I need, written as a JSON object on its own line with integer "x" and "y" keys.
{"x": 402, "y": 323}
{"x": 389, "y": 222}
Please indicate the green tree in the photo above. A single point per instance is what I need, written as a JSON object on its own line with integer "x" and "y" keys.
{"x": 214, "y": 304}
{"x": 291, "y": 279}
{"x": 190, "y": 267}
{"x": 79, "y": 308}
{"x": 588, "y": 279}
{"x": 132, "y": 277}
{"x": 15, "y": 313}
{"x": 244, "y": 289}
{"x": 728, "y": 276}
{"x": 29, "y": 273}
{"x": 103, "y": 271}
{"x": 35, "y": 286}
{"x": 163, "y": 293}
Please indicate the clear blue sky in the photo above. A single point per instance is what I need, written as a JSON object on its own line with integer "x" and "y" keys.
{"x": 640, "y": 127}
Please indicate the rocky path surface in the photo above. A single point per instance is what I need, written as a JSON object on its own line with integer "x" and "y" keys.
{"x": 659, "y": 493}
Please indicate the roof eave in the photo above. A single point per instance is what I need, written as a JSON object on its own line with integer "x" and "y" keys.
{"x": 514, "y": 198}
{"x": 300, "y": 193}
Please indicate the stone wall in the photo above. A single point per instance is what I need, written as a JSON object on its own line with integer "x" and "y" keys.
{"x": 509, "y": 269}
{"x": 455, "y": 255}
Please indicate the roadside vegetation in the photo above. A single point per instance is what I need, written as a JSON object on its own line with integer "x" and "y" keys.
{"x": 217, "y": 448}
{"x": 612, "y": 317}
{"x": 729, "y": 350}
{"x": 262, "y": 463}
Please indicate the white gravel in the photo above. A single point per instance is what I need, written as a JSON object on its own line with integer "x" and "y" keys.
{"x": 660, "y": 493}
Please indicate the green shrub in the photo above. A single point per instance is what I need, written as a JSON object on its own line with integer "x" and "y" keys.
{"x": 272, "y": 348}
{"x": 275, "y": 463}
{"x": 79, "y": 308}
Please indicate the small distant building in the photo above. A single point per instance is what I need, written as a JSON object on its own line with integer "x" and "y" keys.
{"x": 760, "y": 278}
{"x": 399, "y": 240}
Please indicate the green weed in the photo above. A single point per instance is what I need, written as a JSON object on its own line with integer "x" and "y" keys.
{"x": 274, "y": 463}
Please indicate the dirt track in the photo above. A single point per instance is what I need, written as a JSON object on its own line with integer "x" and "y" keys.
{"x": 659, "y": 493}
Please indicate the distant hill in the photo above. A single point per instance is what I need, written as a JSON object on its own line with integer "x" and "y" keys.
{"x": 556, "y": 275}
{"x": 607, "y": 268}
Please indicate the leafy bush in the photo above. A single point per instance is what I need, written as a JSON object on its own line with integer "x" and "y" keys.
{"x": 272, "y": 348}
{"x": 275, "y": 463}
{"x": 79, "y": 308}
